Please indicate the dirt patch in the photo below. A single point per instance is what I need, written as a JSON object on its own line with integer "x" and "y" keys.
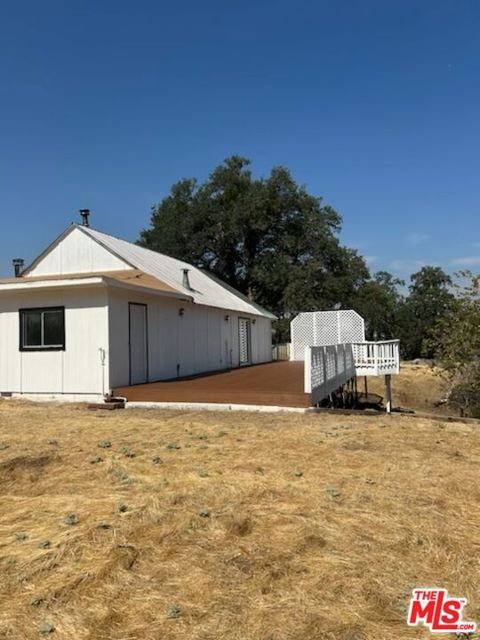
{"x": 15, "y": 472}
{"x": 23, "y": 464}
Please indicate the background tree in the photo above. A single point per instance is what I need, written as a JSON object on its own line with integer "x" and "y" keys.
{"x": 267, "y": 237}
{"x": 277, "y": 244}
{"x": 456, "y": 342}
{"x": 378, "y": 301}
{"x": 430, "y": 298}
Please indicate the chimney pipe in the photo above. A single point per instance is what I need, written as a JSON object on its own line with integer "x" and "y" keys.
{"x": 186, "y": 280}
{"x": 85, "y": 213}
{"x": 18, "y": 266}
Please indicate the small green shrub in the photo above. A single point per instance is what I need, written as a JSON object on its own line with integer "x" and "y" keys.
{"x": 121, "y": 474}
{"x": 46, "y": 627}
{"x": 44, "y": 544}
{"x": 21, "y": 535}
{"x": 174, "y": 611}
{"x": 333, "y": 492}
{"x": 36, "y": 601}
{"x": 71, "y": 519}
{"x": 465, "y": 397}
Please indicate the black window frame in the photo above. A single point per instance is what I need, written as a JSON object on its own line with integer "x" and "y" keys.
{"x": 22, "y": 314}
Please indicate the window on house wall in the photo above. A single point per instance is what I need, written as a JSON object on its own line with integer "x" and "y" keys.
{"x": 42, "y": 329}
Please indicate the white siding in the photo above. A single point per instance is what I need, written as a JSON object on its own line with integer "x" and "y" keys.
{"x": 201, "y": 340}
{"x": 77, "y": 253}
{"x": 77, "y": 370}
{"x": 262, "y": 340}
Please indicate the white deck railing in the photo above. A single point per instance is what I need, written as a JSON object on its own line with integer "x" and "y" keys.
{"x": 327, "y": 369}
{"x": 377, "y": 358}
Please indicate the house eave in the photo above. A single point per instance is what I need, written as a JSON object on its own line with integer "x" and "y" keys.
{"x": 46, "y": 285}
{"x": 25, "y": 285}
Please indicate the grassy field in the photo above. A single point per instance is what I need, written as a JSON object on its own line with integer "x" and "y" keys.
{"x": 210, "y": 526}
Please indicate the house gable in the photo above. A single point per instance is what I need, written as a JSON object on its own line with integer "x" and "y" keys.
{"x": 82, "y": 250}
{"x": 75, "y": 252}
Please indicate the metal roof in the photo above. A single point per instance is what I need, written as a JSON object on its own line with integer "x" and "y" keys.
{"x": 205, "y": 288}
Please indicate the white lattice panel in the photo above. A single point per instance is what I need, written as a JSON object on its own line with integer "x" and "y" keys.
{"x": 323, "y": 328}
{"x": 301, "y": 335}
{"x": 327, "y": 369}
{"x": 351, "y": 327}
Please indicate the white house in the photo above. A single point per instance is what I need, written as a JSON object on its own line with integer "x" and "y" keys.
{"x": 93, "y": 312}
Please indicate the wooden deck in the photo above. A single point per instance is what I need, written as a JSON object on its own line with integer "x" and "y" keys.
{"x": 272, "y": 384}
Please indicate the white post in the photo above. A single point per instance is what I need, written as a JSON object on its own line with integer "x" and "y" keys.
{"x": 307, "y": 371}
{"x": 388, "y": 389}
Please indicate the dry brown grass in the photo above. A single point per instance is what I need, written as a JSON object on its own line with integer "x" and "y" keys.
{"x": 263, "y": 527}
{"x": 418, "y": 387}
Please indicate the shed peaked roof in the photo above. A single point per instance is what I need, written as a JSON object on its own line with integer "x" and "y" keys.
{"x": 205, "y": 288}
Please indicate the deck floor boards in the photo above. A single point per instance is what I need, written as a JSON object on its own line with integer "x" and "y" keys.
{"x": 270, "y": 384}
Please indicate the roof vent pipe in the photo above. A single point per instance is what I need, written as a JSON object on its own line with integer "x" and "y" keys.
{"x": 18, "y": 266}
{"x": 186, "y": 279}
{"x": 85, "y": 213}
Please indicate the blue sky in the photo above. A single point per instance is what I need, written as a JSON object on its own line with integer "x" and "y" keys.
{"x": 373, "y": 105}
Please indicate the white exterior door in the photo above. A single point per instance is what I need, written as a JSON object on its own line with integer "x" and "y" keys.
{"x": 138, "y": 343}
{"x": 244, "y": 340}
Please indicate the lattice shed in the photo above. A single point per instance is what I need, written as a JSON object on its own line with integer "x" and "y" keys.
{"x": 323, "y": 328}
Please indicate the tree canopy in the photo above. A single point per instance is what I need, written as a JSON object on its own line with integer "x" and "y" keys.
{"x": 279, "y": 245}
{"x": 455, "y": 340}
{"x": 430, "y": 298}
{"x": 267, "y": 237}
{"x": 378, "y": 302}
